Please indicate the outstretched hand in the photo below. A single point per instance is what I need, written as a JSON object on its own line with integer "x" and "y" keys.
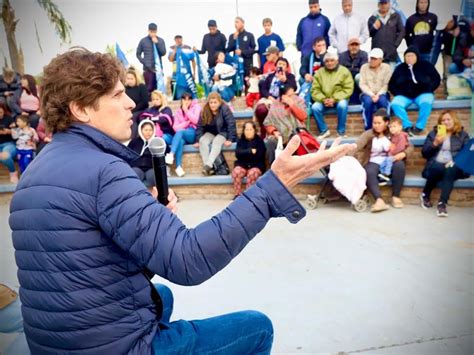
{"x": 292, "y": 169}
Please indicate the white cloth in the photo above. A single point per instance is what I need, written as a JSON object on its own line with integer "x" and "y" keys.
{"x": 379, "y": 151}
{"x": 348, "y": 177}
{"x": 253, "y": 85}
{"x": 223, "y": 69}
{"x": 346, "y": 27}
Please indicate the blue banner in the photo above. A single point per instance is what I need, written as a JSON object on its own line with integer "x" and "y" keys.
{"x": 121, "y": 55}
{"x": 160, "y": 78}
{"x": 184, "y": 77}
{"x": 203, "y": 74}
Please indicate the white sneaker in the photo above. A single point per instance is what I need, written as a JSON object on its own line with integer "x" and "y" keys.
{"x": 179, "y": 171}
{"x": 169, "y": 158}
{"x": 324, "y": 135}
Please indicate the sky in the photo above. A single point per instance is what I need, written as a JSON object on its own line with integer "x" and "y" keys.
{"x": 96, "y": 24}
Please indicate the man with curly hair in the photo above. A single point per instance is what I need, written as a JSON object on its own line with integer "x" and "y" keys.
{"x": 88, "y": 234}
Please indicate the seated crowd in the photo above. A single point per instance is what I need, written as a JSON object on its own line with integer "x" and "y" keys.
{"x": 330, "y": 79}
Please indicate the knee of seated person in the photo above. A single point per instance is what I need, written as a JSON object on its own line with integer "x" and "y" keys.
{"x": 5, "y": 156}
{"x": 317, "y": 106}
{"x": 342, "y": 103}
{"x": 259, "y": 320}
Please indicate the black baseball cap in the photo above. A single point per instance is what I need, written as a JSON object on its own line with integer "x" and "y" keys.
{"x": 212, "y": 23}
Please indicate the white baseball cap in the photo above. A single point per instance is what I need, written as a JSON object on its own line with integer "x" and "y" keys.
{"x": 376, "y": 53}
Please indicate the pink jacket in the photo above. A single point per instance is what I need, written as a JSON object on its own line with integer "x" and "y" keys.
{"x": 183, "y": 120}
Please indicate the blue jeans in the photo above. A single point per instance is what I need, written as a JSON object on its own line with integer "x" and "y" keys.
{"x": 386, "y": 166}
{"x": 180, "y": 138}
{"x": 226, "y": 92}
{"x": 426, "y": 56}
{"x": 246, "y": 332}
{"x": 9, "y": 149}
{"x": 25, "y": 156}
{"x": 341, "y": 108}
{"x": 425, "y": 104}
{"x": 369, "y": 108}
{"x": 11, "y": 321}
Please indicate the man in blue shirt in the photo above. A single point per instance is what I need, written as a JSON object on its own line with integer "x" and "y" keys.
{"x": 266, "y": 40}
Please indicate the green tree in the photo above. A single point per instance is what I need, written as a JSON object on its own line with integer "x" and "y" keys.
{"x": 62, "y": 27}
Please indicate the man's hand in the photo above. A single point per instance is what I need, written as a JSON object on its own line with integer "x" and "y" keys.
{"x": 216, "y": 77}
{"x": 154, "y": 39}
{"x": 308, "y": 78}
{"x": 377, "y": 24}
{"x": 286, "y": 100}
{"x": 375, "y": 98}
{"x": 227, "y": 144}
{"x": 466, "y": 62}
{"x": 196, "y": 145}
{"x": 173, "y": 200}
{"x": 238, "y": 52}
{"x": 254, "y": 151}
{"x": 195, "y": 49}
{"x": 293, "y": 169}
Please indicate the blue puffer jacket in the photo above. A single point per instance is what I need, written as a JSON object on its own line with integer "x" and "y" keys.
{"x": 84, "y": 229}
{"x": 309, "y": 28}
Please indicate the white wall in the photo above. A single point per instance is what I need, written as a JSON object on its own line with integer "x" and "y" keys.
{"x": 98, "y": 23}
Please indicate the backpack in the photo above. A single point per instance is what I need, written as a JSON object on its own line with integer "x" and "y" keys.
{"x": 220, "y": 166}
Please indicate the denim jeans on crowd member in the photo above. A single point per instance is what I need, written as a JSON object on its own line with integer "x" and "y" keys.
{"x": 25, "y": 157}
{"x": 11, "y": 321}
{"x": 425, "y": 105}
{"x": 438, "y": 173}
{"x": 180, "y": 138}
{"x": 246, "y": 332}
{"x": 341, "y": 107}
{"x": 369, "y": 108}
{"x": 425, "y": 56}
{"x": 226, "y": 92}
{"x": 9, "y": 150}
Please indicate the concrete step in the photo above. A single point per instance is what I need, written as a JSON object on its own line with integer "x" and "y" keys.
{"x": 355, "y": 123}
{"x": 220, "y": 187}
{"x": 192, "y": 162}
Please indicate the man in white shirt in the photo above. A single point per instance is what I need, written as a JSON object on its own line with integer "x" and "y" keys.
{"x": 346, "y": 26}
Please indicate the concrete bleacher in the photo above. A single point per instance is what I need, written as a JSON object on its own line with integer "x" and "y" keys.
{"x": 194, "y": 185}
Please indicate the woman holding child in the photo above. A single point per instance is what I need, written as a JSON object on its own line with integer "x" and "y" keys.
{"x": 374, "y": 150}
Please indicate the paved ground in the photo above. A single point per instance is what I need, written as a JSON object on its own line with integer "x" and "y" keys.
{"x": 401, "y": 282}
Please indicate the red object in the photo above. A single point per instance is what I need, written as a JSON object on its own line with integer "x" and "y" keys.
{"x": 308, "y": 144}
{"x": 252, "y": 98}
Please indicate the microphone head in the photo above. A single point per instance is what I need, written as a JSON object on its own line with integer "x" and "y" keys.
{"x": 157, "y": 146}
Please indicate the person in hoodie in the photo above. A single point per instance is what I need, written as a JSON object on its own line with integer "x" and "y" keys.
{"x": 185, "y": 123}
{"x": 143, "y": 165}
{"x": 310, "y": 27}
{"x": 387, "y": 31}
{"x": 413, "y": 81}
{"x": 420, "y": 28}
{"x": 243, "y": 44}
{"x": 212, "y": 43}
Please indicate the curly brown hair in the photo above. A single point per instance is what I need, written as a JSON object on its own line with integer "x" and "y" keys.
{"x": 78, "y": 76}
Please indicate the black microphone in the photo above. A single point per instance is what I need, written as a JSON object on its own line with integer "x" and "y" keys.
{"x": 157, "y": 149}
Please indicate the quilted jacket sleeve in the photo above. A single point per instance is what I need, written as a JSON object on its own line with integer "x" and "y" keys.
{"x": 157, "y": 240}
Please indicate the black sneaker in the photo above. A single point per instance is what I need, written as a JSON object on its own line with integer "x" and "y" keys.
{"x": 425, "y": 201}
{"x": 382, "y": 182}
{"x": 410, "y": 132}
{"x": 415, "y": 131}
{"x": 442, "y": 210}
{"x": 383, "y": 177}
{"x": 207, "y": 170}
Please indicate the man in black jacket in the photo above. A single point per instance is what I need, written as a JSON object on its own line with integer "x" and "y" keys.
{"x": 387, "y": 31}
{"x": 145, "y": 55}
{"x": 420, "y": 28}
{"x": 212, "y": 42}
{"x": 243, "y": 44}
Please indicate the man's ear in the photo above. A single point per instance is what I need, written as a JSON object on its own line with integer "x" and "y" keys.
{"x": 81, "y": 114}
